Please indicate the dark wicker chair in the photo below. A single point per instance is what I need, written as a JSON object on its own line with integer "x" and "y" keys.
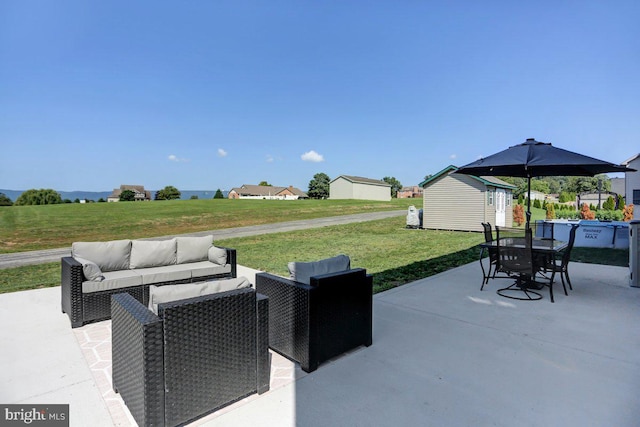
{"x": 84, "y": 308}
{"x": 310, "y": 324}
{"x": 493, "y": 256}
{"x": 196, "y": 356}
{"x": 561, "y": 265}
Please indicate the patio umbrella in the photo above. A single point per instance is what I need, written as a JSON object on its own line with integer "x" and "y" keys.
{"x": 533, "y": 159}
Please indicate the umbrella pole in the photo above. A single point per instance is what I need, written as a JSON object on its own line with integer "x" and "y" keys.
{"x": 528, "y": 202}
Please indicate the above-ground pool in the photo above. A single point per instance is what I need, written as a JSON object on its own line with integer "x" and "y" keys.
{"x": 590, "y": 233}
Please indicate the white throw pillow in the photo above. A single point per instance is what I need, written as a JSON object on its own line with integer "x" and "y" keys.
{"x": 109, "y": 256}
{"x": 217, "y": 255}
{"x": 153, "y": 253}
{"x": 193, "y": 249}
{"x": 168, "y": 293}
{"x": 91, "y": 270}
{"x": 303, "y": 271}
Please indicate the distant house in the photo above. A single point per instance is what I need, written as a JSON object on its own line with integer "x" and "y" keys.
{"x": 617, "y": 186}
{"x": 140, "y": 194}
{"x": 356, "y": 187}
{"x": 410, "y": 192}
{"x": 454, "y": 201}
{"x": 632, "y": 184}
{"x": 267, "y": 192}
{"x": 595, "y": 199}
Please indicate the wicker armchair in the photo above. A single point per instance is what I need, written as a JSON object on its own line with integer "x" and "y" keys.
{"x": 196, "y": 356}
{"x": 310, "y": 324}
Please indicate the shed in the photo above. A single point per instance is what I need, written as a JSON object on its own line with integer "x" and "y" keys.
{"x": 632, "y": 184}
{"x": 463, "y": 202}
{"x": 356, "y": 187}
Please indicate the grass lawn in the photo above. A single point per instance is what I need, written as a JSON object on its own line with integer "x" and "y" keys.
{"x": 393, "y": 254}
{"x": 26, "y": 228}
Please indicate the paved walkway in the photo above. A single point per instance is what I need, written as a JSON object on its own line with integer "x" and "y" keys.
{"x": 19, "y": 259}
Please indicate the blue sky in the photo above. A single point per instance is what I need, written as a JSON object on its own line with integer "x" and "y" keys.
{"x": 215, "y": 94}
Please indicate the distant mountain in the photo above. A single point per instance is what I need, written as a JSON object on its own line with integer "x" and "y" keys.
{"x": 97, "y": 195}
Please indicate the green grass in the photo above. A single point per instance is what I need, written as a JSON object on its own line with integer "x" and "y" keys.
{"x": 394, "y": 254}
{"x": 25, "y": 228}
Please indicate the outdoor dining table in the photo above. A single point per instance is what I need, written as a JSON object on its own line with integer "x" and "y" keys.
{"x": 542, "y": 248}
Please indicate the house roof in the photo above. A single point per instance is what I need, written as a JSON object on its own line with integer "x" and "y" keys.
{"x": 139, "y": 189}
{"x": 486, "y": 180}
{"x": 629, "y": 160}
{"x": 362, "y": 180}
{"x": 266, "y": 190}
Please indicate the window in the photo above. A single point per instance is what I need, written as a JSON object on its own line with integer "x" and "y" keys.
{"x": 509, "y": 197}
{"x": 636, "y": 197}
{"x": 490, "y": 197}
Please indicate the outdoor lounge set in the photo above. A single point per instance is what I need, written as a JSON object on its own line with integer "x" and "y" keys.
{"x": 189, "y": 337}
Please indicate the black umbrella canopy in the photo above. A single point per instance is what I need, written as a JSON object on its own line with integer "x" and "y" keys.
{"x": 535, "y": 158}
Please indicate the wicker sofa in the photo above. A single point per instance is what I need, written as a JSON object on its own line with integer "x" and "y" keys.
{"x": 97, "y": 270}
{"x": 319, "y": 313}
{"x": 192, "y": 358}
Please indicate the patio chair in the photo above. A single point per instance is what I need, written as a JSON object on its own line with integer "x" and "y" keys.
{"x": 315, "y": 317}
{"x": 493, "y": 256}
{"x": 516, "y": 259}
{"x": 196, "y": 356}
{"x": 561, "y": 265}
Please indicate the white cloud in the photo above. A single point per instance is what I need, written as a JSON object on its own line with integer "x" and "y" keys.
{"x": 312, "y": 156}
{"x": 222, "y": 152}
{"x": 174, "y": 158}
{"x": 270, "y": 158}
{"x": 453, "y": 156}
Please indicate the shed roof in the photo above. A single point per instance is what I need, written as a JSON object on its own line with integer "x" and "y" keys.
{"x": 629, "y": 160}
{"x": 362, "y": 180}
{"x": 486, "y": 180}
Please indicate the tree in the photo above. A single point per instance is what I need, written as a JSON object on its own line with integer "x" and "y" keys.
{"x": 518, "y": 214}
{"x": 627, "y": 213}
{"x": 127, "y": 196}
{"x": 395, "y": 185}
{"x": 265, "y": 184}
{"x": 218, "y": 194}
{"x": 609, "y": 204}
{"x": 620, "y": 202}
{"x": 319, "y": 186}
{"x": 551, "y": 211}
{"x": 4, "y": 200}
{"x": 586, "y": 212}
{"x": 39, "y": 197}
{"x": 194, "y": 197}
{"x": 536, "y": 203}
{"x": 168, "y": 193}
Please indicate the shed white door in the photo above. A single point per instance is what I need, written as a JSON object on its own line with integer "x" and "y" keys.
{"x": 501, "y": 207}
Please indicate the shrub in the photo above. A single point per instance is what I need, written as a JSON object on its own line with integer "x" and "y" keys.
{"x": 609, "y": 215}
{"x": 551, "y": 211}
{"x": 536, "y": 204}
{"x": 5, "y": 200}
{"x": 518, "y": 214}
{"x": 39, "y": 197}
{"x": 586, "y": 212}
{"x": 609, "y": 204}
{"x": 568, "y": 214}
{"x": 627, "y": 214}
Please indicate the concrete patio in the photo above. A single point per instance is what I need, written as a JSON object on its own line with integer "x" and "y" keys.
{"x": 444, "y": 353}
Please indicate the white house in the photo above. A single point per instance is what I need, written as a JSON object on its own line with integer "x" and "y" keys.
{"x": 267, "y": 192}
{"x": 632, "y": 184}
{"x": 356, "y": 187}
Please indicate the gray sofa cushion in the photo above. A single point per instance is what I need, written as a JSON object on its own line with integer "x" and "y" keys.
{"x": 108, "y": 256}
{"x": 303, "y": 271}
{"x": 193, "y": 249}
{"x": 167, "y": 273}
{"x": 206, "y": 268}
{"x": 152, "y": 253}
{"x": 113, "y": 280}
{"x": 217, "y": 255}
{"x": 90, "y": 269}
{"x": 167, "y": 293}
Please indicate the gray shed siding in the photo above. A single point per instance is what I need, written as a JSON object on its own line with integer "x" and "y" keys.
{"x": 459, "y": 202}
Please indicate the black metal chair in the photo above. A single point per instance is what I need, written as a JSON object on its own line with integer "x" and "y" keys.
{"x": 196, "y": 356}
{"x": 515, "y": 258}
{"x": 313, "y": 323}
{"x": 561, "y": 265}
{"x": 493, "y": 256}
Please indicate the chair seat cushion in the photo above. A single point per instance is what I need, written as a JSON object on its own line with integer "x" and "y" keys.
{"x": 167, "y": 273}
{"x": 303, "y": 271}
{"x": 113, "y": 280}
{"x": 206, "y": 268}
{"x": 168, "y": 293}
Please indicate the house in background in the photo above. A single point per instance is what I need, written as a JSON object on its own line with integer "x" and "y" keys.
{"x": 356, "y": 187}
{"x": 267, "y": 192}
{"x": 410, "y": 192}
{"x": 632, "y": 184}
{"x": 454, "y": 201}
{"x": 140, "y": 194}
